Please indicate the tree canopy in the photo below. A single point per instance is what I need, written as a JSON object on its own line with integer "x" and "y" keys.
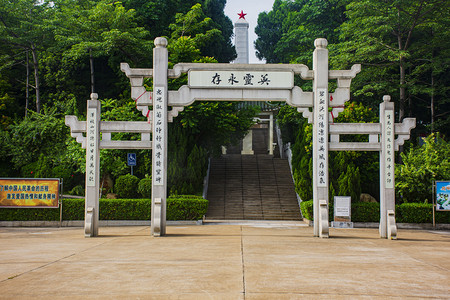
{"x": 53, "y": 54}
{"x": 403, "y": 47}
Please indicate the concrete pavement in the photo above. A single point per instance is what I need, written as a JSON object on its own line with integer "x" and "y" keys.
{"x": 266, "y": 261}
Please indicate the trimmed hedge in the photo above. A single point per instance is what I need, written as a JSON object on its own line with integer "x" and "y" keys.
{"x": 370, "y": 212}
{"x": 178, "y": 208}
{"x": 366, "y": 212}
{"x": 307, "y": 209}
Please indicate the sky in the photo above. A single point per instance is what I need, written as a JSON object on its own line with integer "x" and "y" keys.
{"x": 252, "y": 8}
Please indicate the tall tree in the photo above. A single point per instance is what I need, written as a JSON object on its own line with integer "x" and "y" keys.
{"x": 287, "y": 33}
{"x": 22, "y": 27}
{"x": 387, "y": 35}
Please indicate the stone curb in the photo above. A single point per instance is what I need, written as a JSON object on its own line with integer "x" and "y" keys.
{"x": 425, "y": 226}
{"x": 103, "y": 223}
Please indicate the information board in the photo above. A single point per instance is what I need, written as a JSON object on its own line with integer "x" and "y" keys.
{"x": 342, "y": 206}
{"x": 442, "y": 195}
{"x": 29, "y": 192}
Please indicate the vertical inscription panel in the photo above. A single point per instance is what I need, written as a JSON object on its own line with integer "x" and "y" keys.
{"x": 91, "y": 137}
{"x": 389, "y": 149}
{"x": 159, "y": 119}
{"x": 321, "y": 122}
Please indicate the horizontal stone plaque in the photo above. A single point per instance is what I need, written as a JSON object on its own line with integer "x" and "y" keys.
{"x": 241, "y": 79}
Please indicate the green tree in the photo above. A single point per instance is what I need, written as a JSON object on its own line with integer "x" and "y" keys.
{"x": 389, "y": 38}
{"x": 287, "y": 33}
{"x": 421, "y": 166}
{"x": 350, "y": 172}
{"x": 24, "y": 30}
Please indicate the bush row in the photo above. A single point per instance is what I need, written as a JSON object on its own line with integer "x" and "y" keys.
{"x": 370, "y": 212}
{"x": 178, "y": 208}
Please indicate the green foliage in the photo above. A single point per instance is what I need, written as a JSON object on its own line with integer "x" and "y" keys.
{"x": 184, "y": 207}
{"x": 36, "y": 135}
{"x": 414, "y": 213}
{"x": 421, "y": 166}
{"x": 307, "y": 209}
{"x": 145, "y": 187}
{"x": 349, "y": 183}
{"x": 350, "y": 172}
{"x": 287, "y": 33}
{"x": 370, "y": 212}
{"x": 127, "y": 186}
{"x": 125, "y": 209}
{"x": 366, "y": 212}
{"x": 402, "y": 46}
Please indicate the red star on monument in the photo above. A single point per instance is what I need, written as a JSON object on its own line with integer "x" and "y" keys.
{"x": 242, "y": 15}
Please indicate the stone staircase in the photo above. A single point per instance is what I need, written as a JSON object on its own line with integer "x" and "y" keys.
{"x": 251, "y": 187}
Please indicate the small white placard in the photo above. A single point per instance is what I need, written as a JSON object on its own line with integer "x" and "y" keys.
{"x": 159, "y": 119}
{"x": 91, "y": 142}
{"x": 241, "y": 79}
{"x": 342, "y": 206}
{"x": 389, "y": 149}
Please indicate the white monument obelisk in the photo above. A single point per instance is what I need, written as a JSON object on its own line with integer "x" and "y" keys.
{"x": 241, "y": 45}
{"x": 241, "y": 39}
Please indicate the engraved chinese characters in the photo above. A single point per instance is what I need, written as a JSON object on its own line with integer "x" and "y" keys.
{"x": 389, "y": 148}
{"x": 159, "y": 119}
{"x": 238, "y": 79}
{"x": 90, "y": 147}
{"x": 322, "y": 137}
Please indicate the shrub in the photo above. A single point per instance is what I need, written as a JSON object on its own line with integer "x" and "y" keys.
{"x": 178, "y": 208}
{"x": 365, "y": 212}
{"x": 186, "y": 207}
{"x": 421, "y": 165}
{"x": 307, "y": 209}
{"x": 77, "y": 190}
{"x": 414, "y": 213}
{"x": 145, "y": 187}
{"x": 127, "y": 186}
{"x": 125, "y": 209}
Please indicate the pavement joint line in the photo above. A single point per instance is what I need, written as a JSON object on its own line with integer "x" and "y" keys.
{"x": 243, "y": 261}
{"x": 37, "y": 268}
{"x": 63, "y": 258}
{"x": 382, "y": 296}
{"x": 422, "y": 261}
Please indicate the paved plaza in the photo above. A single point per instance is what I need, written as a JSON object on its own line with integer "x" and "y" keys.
{"x": 252, "y": 261}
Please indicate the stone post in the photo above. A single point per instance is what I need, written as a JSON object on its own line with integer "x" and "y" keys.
{"x": 247, "y": 144}
{"x": 271, "y": 133}
{"x": 92, "y": 167}
{"x": 320, "y": 133}
{"x": 159, "y": 138}
{"x": 387, "y": 165}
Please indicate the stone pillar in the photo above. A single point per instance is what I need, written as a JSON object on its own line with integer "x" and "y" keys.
{"x": 320, "y": 132}
{"x": 92, "y": 192}
{"x": 387, "y": 165}
{"x": 241, "y": 41}
{"x": 271, "y": 134}
{"x": 247, "y": 144}
{"x": 159, "y": 138}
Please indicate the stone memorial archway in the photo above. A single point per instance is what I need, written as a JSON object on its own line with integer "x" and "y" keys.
{"x": 252, "y": 82}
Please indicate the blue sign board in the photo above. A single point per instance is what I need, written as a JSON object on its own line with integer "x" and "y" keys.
{"x": 131, "y": 159}
{"x": 442, "y": 195}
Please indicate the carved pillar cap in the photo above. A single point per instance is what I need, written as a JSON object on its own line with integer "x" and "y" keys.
{"x": 321, "y": 43}
{"x": 386, "y": 98}
{"x": 94, "y": 96}
{"x": 160, "y": 42}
